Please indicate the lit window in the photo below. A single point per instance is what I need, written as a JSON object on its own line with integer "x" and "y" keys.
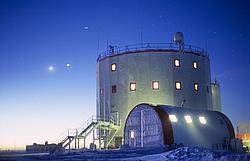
{"x": 132, "y": 134}
{"x": 177, "y": 63}
{"x": 172, "y": 118}
{"x": 188, "y": 119}
{"x": 178, "y": 85}
{"x": 155, "y": 85}
{"x": 132, "y": 86}
{"x": 114, "y": 89}
{"x": 196, "y": 87}
{"x": 202, "y": 120}
{"x": 113, "y": 67}
{"x": 195, "y": 65}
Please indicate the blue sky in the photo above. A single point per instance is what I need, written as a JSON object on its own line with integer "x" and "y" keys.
{"x": 37, "y": 105}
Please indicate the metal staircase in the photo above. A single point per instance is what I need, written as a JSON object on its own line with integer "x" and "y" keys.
{"x": 103, "y": 131}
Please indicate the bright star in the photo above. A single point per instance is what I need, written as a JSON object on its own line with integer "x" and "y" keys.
{"x": 68, "y": 65}
{"x": 51, "y": 68}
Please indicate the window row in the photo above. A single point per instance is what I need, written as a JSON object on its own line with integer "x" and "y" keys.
{"x": 177, "y": 63}
{"x": 155, "y": 86}
{"x": 178, "y": 86}
{"x": 188, "y": 119}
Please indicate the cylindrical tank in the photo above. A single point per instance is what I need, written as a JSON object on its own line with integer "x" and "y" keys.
{"x": 152, "y": 126}
{"x": 151, "y": 73}
{"x": 216, "y": 98}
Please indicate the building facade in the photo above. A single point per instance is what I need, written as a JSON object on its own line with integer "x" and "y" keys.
{"x": 167, "y": 74}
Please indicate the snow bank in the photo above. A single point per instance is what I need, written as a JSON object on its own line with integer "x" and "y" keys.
{"x": 193, "y": 154}
{"x": 180, "y": 154}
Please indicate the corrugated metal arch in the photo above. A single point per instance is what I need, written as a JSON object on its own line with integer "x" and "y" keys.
{"x": 167, "y": 129}
{"x": 228, "y": 123}
{"x": 168, "y": 136}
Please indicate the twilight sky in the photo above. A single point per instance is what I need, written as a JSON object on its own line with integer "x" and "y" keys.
{"x": 37, "y": 105}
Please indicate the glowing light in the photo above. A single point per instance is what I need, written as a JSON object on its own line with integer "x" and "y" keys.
{"x": 132, "y": 86}
{"x": 202, "y": 120}
{"x": 196, "y": 86}
{"x": 67, "y": 65}
{"x": 132, "y": 134}
{"x": 177, "y": 63}
{"x": 86, "y": 27}
{"x": 195, "y": 65}
{"x": 178, "y": 85}
{"x": 51, "y": 68}
{"x": 188, "y": 119}
{"x": 113, "y": 67}
{"x": 155, "y": 85}
{"x": 173, "y": 118}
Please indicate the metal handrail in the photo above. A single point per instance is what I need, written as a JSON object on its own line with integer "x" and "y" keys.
{"x": 76, "y": 131}
{"x": 150, "y": 46}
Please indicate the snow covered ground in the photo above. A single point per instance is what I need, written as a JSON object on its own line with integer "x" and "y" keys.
{"x": 194, "y": 154}
{"x": 180, "y": 154}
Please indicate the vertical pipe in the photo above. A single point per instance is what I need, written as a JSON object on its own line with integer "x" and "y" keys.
{"x": 78, "y": 145}
{"x": 99, "y": 137}
{"x": 93, "y": 136}
{"x": 141, "y": 128}
{"x": 76, "y": 139}
{"x": 84, "y": 144}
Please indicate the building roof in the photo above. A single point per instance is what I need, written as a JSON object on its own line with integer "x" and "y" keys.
{"x": 150, "y": 47}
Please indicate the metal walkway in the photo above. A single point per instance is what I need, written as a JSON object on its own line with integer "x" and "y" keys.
{"x": 102, "y": 130}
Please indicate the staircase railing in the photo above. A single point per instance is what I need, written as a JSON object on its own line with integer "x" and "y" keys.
{"x": 69, "y": 135}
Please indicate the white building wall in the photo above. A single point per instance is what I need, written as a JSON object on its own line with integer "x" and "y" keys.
{"x": 145, "y": 67}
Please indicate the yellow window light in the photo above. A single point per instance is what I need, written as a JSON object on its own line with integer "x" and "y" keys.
{"x": 173, "y": 118}
{"x": 178, "y": 85}
{"x": 113, "y": 67}
{"x": 202, "y": 120}
{"x": 177, "y": 63}
{"x": 188, "y": 119}
{"x": 132, "y": 86}
{"x": 132, "y": 134}
{"x": 155, "y": 85}
{"x": 195, "y": 65}
{"x": 196, "y": 87}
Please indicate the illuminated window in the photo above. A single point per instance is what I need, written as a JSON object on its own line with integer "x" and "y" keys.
{"x": 113, "y": 67}
{"x": 178, "y": 85}
{"x": 196, "y": 87}
{"x": 188, "y": 119}
{"x": 177, "y": 63}
{"x": 202, "y": 120}
{"x": 114, "y": 89}
{"x": 132, "y": 86}
{"x": 155, "y": 85}
{"x": 173, "y": 118}
{"x": 132, "y": 134}
{"x": 195, "y": 65}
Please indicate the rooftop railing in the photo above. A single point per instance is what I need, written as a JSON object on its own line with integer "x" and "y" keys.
{"x": 114, "y": 50}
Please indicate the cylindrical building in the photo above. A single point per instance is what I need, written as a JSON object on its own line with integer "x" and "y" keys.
{"x": 171, "y": 74}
